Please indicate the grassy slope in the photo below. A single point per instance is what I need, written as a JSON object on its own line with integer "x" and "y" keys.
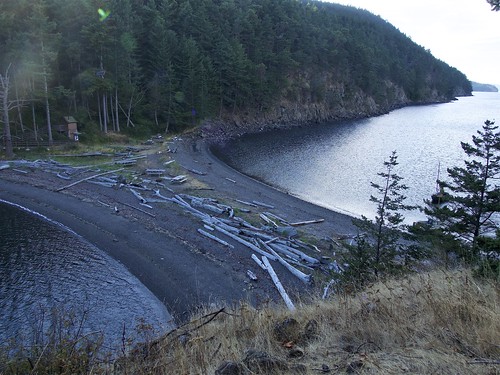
{"x": 438, "y": 322}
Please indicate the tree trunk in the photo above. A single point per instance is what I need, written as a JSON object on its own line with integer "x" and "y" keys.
{"x": 19, "y": 113}
{"x": 105, "y": 113}
{"x": 116, "y": 111}
{"x": 46, "y": 93}
{"x": 4, "y": 93}
{"x": 99, "y": 110}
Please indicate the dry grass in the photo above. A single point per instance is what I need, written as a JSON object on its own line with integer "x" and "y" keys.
{"x": 441, "y": 322}
{"x": 436, "y": 323}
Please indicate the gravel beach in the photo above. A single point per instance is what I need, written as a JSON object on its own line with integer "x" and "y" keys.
{"x": 180, "y": 267}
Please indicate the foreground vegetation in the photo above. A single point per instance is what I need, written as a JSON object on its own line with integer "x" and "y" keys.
{"x": 437, "y": 322}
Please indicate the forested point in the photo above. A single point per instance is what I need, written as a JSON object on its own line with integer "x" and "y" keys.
{"x": 484, "y": 87}
{"x": 153, "y": 66}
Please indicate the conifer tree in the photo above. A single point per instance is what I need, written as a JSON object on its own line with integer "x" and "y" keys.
{"x": 473, "y": 203}
{"x": 379, "y": 242}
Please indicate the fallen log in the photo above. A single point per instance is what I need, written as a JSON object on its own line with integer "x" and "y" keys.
{"x": 268, "y": 221}
{"x": 306, "y": 279}
{"x": 316, "y": 221}
{"x": 63, "y": 177}
{"x": 297, "y": 254}
{"x": 278, "y": 284}
{"x": 246, "y": 203}
{"x": 259, "y": 262}
{"x": 217, "y": 239}
{"x": 19, "y": 171}
{"x": 244, "y": 242}
{"x": 138, "y": 196}
{"x": 155, "y": 172}
{"x": 262, "y": 204}
{"x": 88, "y": 178}
{"x": 194, "y": 171}
{"x": 276, "y": 217}
{"x": 138, "y": 209}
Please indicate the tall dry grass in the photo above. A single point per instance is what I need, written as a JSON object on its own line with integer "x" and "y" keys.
{"x": 435, "y": 323}
{"x": 442, "y": 322}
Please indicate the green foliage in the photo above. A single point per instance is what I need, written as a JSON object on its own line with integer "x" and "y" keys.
{"x": 383, "y": 245}
{"x": 473, "y": 203}
{"x": 495, "y": 4}
{"x": 129, "y": 61}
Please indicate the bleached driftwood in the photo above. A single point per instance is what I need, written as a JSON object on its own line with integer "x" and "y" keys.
{"x": 306, "y": 279}
{"x": 202, "y": 203}
{"x": 301, "y": 254}
{"x": 63, "y": 177}
{"x": 138, "y": 196}
{"x": 276, "y": 217}
{"x": 155, "y": 172}
{"x": 252, "y": 275}
{"x": 138, "y": 209}
{"x": 298, "y": 223}
{"x": 217, "y": 239}
{"x": 262, "y": 204}
{"x": 126, "y": 162}
{"x": 268, "y": 221}
{"x": 89, "y": 178}
{"x": 244, "y": 242}
{"x": 194, "y": 171}
{"x": 278, "y": 284}
{"x": 246, "y": 203}
{"x": 259, "y": 262}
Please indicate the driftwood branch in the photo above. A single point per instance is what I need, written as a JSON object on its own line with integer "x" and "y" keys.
{"x": 139, "y": 209}
{"x": 316, "y": 221}
{"x": 217, "y": 239}
{"x": 89, "y": 178}
{"x": 278, "y": 284}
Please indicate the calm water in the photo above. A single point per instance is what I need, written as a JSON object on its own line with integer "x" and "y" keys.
{"x": 332, "y": 164}
{"x": 44, "y": 267}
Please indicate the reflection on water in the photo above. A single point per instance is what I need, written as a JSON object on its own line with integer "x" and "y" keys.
{"x": 45, "y": 267}
{"x": 333, "y": 164}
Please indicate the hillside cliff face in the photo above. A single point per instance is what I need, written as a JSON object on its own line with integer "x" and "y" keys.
{"x": 299, "y": 106}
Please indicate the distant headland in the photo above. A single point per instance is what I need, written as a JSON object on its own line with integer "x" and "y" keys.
{"x": 485, "y": 87}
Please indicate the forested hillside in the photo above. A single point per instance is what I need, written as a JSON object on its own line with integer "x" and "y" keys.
{"x": 156, "y": 65}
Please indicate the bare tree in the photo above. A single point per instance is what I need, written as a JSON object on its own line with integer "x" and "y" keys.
{"x": 6, "y": 106}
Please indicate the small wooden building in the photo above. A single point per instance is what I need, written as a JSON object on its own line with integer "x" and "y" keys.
{"x": 69, "y": 128}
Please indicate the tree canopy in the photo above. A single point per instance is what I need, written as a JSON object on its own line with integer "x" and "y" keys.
{"x": 164, "y": 64}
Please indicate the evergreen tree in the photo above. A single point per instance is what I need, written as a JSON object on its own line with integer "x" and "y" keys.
{"x": 380, "y": 246}
{"x": 473, "y": 200}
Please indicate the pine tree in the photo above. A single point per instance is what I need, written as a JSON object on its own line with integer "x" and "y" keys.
{"x": 473, "y": 204}
{"x": 380, "y": 241}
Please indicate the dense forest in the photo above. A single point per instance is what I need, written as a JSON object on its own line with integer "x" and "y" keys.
{"x": 145, "y": 66}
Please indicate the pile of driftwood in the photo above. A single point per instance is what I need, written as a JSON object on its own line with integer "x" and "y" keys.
{"x": 271, "y": 240}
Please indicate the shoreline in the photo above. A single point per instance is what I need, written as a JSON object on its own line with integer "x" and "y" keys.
{"x": 181, "y": 268}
